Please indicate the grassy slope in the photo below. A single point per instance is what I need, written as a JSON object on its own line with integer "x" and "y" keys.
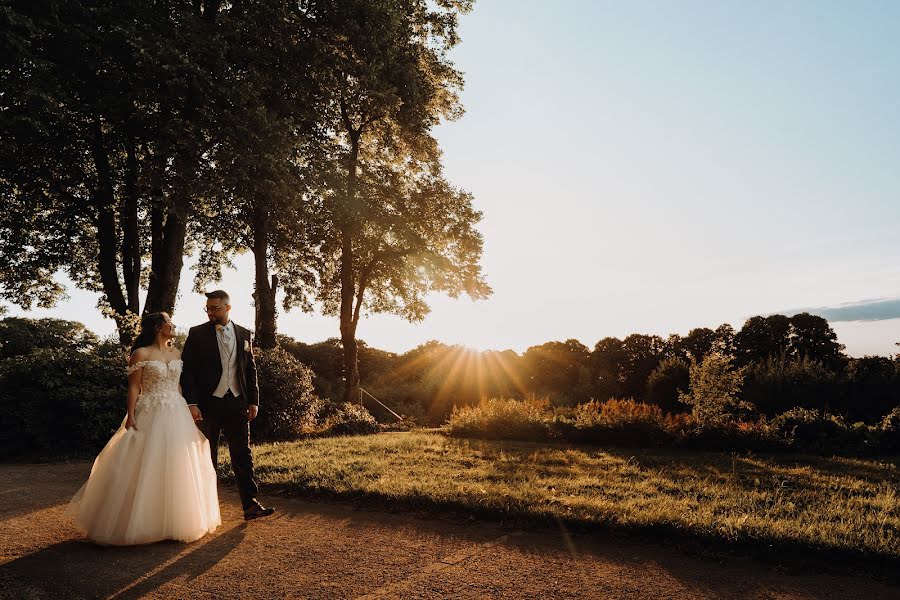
{"x": 835, "y": 506}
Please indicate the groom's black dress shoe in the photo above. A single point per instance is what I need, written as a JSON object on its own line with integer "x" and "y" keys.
{"x": 257, "y": 510}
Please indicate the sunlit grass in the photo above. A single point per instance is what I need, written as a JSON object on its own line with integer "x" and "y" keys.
{"x": 832, "y": 504}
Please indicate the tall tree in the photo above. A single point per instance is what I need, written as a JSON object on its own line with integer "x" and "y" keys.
{"x": 642, "y": 354}
{"x": 699, "y": 342}
{"x": 813, "y": 338}
{"x": 393, "y": 226}
{"x": 560, "y": 370}
{"x": 102, "y": 102}
{"x": 608, "y": 368}
{"x": 762, "y": 337}
{"x": 268, "y": 117}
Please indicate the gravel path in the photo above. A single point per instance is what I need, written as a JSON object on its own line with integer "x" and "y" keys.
{"x": 318, "y": 550}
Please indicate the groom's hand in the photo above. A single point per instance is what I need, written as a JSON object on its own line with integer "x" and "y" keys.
{"x": 252, "y": 411}
{"x": 195, "y": 412}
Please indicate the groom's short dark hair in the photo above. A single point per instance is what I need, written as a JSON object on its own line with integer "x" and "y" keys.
{"x": 219, "y": 295}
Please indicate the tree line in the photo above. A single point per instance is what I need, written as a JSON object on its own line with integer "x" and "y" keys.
{"x": 139, "y": 132}
{"x": 781, "y": 368}
{"x": 786, "y": 362}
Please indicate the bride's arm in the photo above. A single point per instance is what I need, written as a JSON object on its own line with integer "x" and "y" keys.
{"x": 134, "y": 384}
{"x": 177, "y": 357}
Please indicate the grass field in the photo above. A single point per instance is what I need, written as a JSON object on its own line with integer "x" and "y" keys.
{"x": 831, "y": 505}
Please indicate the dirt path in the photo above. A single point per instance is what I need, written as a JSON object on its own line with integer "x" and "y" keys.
{"x": 316, "y": 550}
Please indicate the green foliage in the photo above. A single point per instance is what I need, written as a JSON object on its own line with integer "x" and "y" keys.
{"x": 891, "y": 422}
{"x": 729, "y": 435}
{"x": 107, "y": 107}
{"x": 388, "y": 81}
{"x": 325, "y": 418}
{"x": 612, "y": 422}
{"x": 666, "y": 384}
{"x": 714, "y": 388}
{"x": 559, "y": 371}
{"x": 872, "y": 388}
{"x": 803, "y": 335}
{"x": 823, "y": 432}
{"x": 699, "y": 342}
{"x": 607, "y": 360}
{"x": 20, "y": 336}
{"x": 622, "y": 368}
{"x": 812, "y": 337}
{"x": 811, "y": 430}
{"x": 350, "y": 419}
{"x": 285, "y": 390}
{"x": 889, "y": 439}
{"x": 57, "y": 401}
{"x": 780, "y": 383}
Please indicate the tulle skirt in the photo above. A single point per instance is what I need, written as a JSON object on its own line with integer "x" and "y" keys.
{"x": 153, "y": 483}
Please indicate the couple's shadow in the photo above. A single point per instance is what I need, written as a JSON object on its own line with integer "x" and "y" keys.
{"x": 77, "y": 568}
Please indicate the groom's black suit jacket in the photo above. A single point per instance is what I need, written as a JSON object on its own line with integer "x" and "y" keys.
{"x": 202, "y": 365}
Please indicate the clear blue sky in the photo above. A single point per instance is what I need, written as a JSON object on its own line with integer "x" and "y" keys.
{"x": 656, "y": 166}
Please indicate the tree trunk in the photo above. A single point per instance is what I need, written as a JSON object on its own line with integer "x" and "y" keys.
{"x": 348, "y": 327}
{"x": 264, "y": 295}
{"x": 348, "y": 288}
{"x": 168, "y": 231}
{"x": 167, "y": 258}
{"x": 107, "y": 242}
{"x": 131, "y": 245}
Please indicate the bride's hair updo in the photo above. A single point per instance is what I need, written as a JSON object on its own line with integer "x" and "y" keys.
{"x": 150, "y": 325}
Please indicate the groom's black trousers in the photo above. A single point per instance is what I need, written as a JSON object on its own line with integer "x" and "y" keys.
{"x": 229, "y": 415}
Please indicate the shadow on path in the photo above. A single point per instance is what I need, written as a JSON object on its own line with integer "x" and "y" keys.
{"x": 79, "y": 567}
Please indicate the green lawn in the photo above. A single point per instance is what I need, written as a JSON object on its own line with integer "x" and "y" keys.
{"x": 793, "y": 502}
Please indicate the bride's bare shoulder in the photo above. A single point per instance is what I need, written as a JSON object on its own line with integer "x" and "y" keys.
{"x": 138, "y": 355}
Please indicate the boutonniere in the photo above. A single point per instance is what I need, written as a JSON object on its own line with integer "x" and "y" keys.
{"x": 246, "y": 346}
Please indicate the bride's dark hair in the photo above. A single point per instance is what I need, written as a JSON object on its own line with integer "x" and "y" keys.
{"x": 150, "y": 325}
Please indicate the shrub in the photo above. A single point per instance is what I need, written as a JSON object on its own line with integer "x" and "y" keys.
{"x": 891, "y": 422}
{"x": 616, "y": 412}
{"x": 20, "y": 336}
{"x": 350, "y": 419}
{"x": 502, "y": 419}
{"x": 614, "y": 421}
{"x": 729, "y": 435}
{"x": 889, "y": 432}
{"x": 811, "y": 430}
{"x": 285, "y": 390}
{"x": 325, "y": 417}
{"x": 714, "y": 388}
{"x": 58, "y": 402}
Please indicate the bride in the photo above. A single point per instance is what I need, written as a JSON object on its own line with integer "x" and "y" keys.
{"x": 154, "y": 479}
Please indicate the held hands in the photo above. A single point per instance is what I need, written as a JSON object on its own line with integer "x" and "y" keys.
{"x": 129, "y": 423}
{"x": 195, "y": 412}
{"x": 252, "y": 411}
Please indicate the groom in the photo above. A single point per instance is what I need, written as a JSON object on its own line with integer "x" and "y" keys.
{"x": 219, "y": 382}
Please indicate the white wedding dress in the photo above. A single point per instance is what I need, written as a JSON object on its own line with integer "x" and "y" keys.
{"x": 155, "y": 482}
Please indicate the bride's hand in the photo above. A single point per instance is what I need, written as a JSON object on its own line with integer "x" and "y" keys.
{"x": 130, "y": 424}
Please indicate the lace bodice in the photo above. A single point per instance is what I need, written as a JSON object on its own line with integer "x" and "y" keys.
{"x": 159, "y": 383}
